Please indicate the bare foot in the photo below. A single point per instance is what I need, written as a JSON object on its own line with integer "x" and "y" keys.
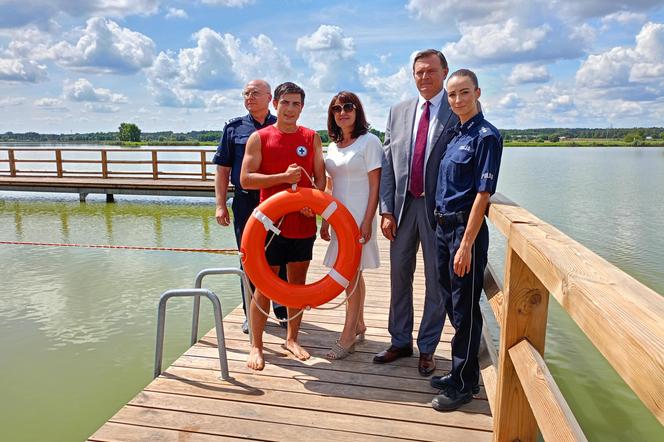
{"x": 297, "y": 350}
{"x": 255, "y": 360}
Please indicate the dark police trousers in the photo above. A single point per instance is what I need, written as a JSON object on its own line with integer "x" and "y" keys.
{"x": 243, "y": 206}
{"x": 461, "y": 296}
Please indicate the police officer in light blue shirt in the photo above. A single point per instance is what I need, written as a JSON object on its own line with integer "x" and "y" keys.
{"x": 228, "y": 159}
{"x": 466, "y": 179}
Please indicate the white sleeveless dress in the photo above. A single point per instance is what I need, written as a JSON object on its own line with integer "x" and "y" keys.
{"x": 349, "y": 167}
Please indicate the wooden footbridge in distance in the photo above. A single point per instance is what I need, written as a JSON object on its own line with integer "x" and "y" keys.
{"x": 356, "y": 400}
{"x": 108, "y": 171}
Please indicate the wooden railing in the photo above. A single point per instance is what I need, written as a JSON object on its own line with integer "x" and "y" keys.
{"x": 623, "y": 318}
{"x": 106, "y": 163}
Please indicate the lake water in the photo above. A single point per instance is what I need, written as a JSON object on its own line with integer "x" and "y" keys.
{"x": 77, "y": 325}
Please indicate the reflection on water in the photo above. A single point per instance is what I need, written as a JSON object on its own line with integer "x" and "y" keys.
{"x": 77, "y": 325}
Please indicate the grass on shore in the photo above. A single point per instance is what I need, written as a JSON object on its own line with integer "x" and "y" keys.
{"x": 574, "y": 142}
{"x": 585, "y": 142}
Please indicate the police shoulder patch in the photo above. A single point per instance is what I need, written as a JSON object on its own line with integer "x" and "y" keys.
{"x": 233, "y": 120}
{"x": 488, "y": 131}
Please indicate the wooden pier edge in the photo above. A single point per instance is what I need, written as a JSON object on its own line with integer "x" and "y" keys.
{"x": 351, "y": 399}
{"x": 354, "y": 399}
{"x": 621, "y": 317}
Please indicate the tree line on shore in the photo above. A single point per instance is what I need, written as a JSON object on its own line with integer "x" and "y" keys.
{"x": 131, "y": 133}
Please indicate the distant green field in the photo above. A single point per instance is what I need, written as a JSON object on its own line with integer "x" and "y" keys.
{"x": 567, "y": 143}
{"x": 607, "y": 142}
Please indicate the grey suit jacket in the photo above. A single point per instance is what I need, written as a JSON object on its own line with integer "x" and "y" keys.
{"x": 397, "y": 157}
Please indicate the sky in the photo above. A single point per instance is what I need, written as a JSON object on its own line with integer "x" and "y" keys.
{"x": 88, "y": 65}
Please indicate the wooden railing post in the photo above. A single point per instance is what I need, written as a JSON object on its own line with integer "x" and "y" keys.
{"x": 12, "y": 162}
{"x": 203, "y": 166}
{"x": 58, "y": 162}
{"x": 104, "y": 164}
{"x": 155, "y": 166}
{"x": 524, "y": 317}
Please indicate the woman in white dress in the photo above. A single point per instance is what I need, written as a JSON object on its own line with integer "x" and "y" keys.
{"x": 352, "y": 164}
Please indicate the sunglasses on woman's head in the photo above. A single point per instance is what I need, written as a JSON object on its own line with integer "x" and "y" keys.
{"x": 346, "y": 107}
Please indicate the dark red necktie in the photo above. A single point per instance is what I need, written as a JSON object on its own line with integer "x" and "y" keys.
{"x": 417, "y": 169}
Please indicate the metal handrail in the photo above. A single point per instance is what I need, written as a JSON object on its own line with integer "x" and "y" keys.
{"x": 161, "y": 320}
{"x": 246, "y": 292}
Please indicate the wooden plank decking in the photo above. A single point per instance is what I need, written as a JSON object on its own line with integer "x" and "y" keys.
{"x": 352, "y": 399}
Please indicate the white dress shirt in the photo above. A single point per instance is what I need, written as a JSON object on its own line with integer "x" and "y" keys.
{"x": 434, "y": 107}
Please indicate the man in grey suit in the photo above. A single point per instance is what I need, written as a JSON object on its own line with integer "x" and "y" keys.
{"x": 415, "y": 140}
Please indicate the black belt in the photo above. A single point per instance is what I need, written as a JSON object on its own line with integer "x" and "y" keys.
{"x": 452, "y": 219}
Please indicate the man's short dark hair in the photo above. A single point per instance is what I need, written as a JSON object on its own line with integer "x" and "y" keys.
{"x": 288, "y": 88}
{"x": 465, "y": 73}
{"x": 428, "y": 52}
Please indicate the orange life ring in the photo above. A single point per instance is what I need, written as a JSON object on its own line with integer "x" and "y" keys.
{"x": 264, "y": 218}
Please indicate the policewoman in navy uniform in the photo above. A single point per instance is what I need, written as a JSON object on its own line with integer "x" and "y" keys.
{"x": 228, "y": 158}
{"x": 466, "y": 179}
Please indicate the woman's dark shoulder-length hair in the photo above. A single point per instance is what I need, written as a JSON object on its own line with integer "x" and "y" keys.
{"x": 361, "y": 125}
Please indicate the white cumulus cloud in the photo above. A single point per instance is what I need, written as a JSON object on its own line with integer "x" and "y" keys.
{"x": 30, "y": 43}
{"x": 561, "y": 103}
{"x": 624, "y": 18}
{"x": 228, "y": 3}
{"x": 83, "y": 90}
{"x": 183, "y": 79}
{"x": 49, "y": 103}
{"x": 11, "y": 101}
{"x": 478, "y": 11}
{"x": 510, "y": 101}
{"x": 497, "y": 42}
{"x": 331, "y": 55}
{"x": 17, "y": 70}
{"x": 518, "y": 41}
{"x": 105, "y": 46}
{"x": 16, "y": 13}
{"x": 582, "y": 10}
{"x": 528, "y": 73}
{"x": 176, "y": 13}
{"x": 390, "y": 88}
{"x": 628, "y": 66}
{"x": 101, "y": 108}
{"x": 208, "y": 65}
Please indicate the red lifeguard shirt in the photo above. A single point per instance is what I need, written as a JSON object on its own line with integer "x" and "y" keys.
{"x": 279, "y": 150}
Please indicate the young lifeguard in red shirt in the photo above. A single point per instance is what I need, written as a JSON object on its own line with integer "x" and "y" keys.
{"x": 275, "y": 158}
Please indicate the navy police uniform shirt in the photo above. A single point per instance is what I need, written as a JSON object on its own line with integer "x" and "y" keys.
{"x": 233, "y": 141}
{"x": 470, "y": 165}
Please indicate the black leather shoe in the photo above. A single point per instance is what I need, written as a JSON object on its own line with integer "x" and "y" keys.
{"x": 450, "y": 399}
{"x": 392, "y": 354}
{"x": 280, "y": 312}
{"x": 427, "y": 364}
{"x": 245, "y": 327}
{"x": 282, "y": 315}
{"x": 442, "y": 382}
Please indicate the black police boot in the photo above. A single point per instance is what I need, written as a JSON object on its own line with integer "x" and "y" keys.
{"x": 450, "y": 399}
{"x": 442, "y": 382}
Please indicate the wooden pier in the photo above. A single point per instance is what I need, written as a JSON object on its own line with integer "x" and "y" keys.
{"x": 354, "y": 399}
{"x": 351, "y": 399}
